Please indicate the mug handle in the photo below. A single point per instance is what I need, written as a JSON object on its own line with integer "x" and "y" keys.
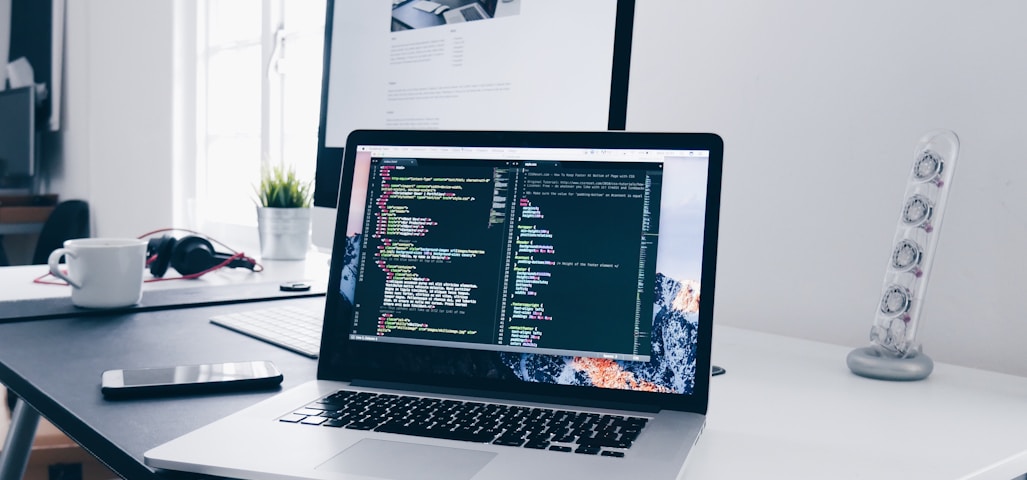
{"x": 55, "y": 260}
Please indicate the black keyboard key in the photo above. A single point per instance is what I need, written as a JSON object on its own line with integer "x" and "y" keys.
{"x": 604, "y": 442}
{"x": 416, "y": 430}
{"x": 612, "y": 453}
{"x": 587, "y": 449}
{"x": 564, "y": 439}
{"x": 328, "y": 406}
{"x": 629, "y": 435}
{"x": 538, "y": 437}
{"x": 508, "y": 441}
{"x": 560, "y": 448}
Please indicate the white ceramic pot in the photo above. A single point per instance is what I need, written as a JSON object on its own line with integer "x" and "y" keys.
{"x": 284, "y": 233}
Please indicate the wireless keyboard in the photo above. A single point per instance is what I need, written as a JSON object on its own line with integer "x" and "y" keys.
{"x": 292, "y": 328}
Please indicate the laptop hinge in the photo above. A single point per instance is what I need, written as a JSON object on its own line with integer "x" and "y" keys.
{"x": 508, "y": 396}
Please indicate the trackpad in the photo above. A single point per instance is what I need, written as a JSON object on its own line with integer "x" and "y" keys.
{"x": 378, "y": 458}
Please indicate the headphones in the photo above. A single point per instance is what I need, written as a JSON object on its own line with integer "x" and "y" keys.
{"x": 191, "y": 256}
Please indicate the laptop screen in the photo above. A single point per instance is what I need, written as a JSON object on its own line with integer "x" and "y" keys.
{"x": 526, "y": 259}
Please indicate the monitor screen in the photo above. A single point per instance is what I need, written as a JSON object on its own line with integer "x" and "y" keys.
{"x": 473, "y": 65}
{"x": 17, "y": 138}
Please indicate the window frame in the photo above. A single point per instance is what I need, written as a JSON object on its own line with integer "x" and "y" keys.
{"x": 273, "y": 41}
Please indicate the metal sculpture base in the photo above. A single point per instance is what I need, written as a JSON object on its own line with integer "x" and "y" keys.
{"x": 872, "y": 363}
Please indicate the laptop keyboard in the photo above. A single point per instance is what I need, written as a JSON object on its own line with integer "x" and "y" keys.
{"x": 498, "y": 424}
{"x": 291, "y": 328}
{"x": 471, "y": 14}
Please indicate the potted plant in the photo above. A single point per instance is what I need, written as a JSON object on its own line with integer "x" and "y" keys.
{"x": 283, "y": 214}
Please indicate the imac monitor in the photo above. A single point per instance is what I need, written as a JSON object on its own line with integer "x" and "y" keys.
{"x": 17, "y": 138}
{"x": 400, "y": 65}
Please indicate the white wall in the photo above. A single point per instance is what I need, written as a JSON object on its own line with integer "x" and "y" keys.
{"x": 117, "y": 142}
{"x": 820, "y": 105}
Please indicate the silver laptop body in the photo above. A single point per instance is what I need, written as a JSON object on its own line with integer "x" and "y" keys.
{"x": 436, "y": 228}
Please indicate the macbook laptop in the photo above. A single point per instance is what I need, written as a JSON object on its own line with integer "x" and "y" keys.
{"x": 502, "y": 305}
{"x": 477, "y": 10}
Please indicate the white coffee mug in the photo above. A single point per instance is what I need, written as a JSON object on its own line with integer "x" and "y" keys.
{"x": 102, "y": 272}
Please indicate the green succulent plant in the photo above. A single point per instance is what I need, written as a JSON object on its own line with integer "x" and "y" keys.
{"x": 281, "y": 188}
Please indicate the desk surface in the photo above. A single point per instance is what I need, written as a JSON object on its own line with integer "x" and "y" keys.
{"x": 787, "y": 408}
{"x": 55, "y": 366}
{"x": 790, "y": 408}
{"x": 17, "y": 282}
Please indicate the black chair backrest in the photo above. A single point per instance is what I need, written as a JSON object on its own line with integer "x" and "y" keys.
{"x": 68, "y": 220}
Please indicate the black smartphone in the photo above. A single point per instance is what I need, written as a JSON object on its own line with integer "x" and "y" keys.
{"x": 188, "y": 379}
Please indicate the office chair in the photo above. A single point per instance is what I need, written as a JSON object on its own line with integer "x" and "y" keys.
{"x": 68, "y": 220}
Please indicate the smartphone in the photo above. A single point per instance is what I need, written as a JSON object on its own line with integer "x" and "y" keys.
{"x": 188, "y": 379}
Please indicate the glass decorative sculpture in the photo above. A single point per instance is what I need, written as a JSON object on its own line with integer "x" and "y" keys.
{"x": 894, "y": 353}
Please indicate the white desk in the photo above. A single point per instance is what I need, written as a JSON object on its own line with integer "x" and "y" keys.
{"x": 16, "y": 283}
{"x": 790, "y": 408}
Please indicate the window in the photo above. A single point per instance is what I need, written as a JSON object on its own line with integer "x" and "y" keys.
{"x": 258, "y": 97}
